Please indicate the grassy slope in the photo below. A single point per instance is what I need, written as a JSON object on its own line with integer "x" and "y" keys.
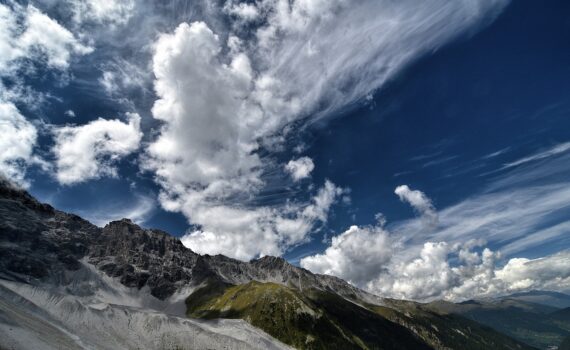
{"x": 313, "y": 320}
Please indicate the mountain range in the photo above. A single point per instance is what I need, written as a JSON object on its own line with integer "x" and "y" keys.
{"x": 68, "y": 284}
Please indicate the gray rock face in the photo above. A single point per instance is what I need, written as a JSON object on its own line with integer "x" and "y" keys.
{"x": 38, "y": 242}
{"x": 142, "y": 257}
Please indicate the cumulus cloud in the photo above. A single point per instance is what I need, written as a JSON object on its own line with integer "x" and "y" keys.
{"x": 207, "y": 135}
{"x": 513, "y": 213}
{"x": 354, "y": 255}
{"x": 92, "y": 150}
{"x": 371, "y": 258}
{"x": 433, "y": 276}
{"x": 550, "y": 272}
{"x": 300, "y": 168}
{"x": 245, "y": 233}
{"x": 419, "y": 201}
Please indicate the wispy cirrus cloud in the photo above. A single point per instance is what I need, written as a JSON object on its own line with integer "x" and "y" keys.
{"x": 557, "y": 149}
{"x": 138, "y": 208}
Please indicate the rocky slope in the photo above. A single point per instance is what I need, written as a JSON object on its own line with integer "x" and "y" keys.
{"x": 122, "y": 286}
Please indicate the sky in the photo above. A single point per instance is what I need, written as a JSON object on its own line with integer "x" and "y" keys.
{"x": 417, "y": 149}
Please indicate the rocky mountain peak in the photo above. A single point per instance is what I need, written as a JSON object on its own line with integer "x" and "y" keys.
{"x": 271, "y": 262}
{"x": 11, "y": 191}
{"x": 51, "y": 241}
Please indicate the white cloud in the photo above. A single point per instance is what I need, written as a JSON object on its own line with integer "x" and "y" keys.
{"x": 420, "y": 202}
{"x": 17, "y": 140}
{"x": 354, "y": 255}
{"x": 496, "y": 153}
{"x": 90, "y": 151}
{"x": 425, "y": 277}
{"x": 300, "y": 168}
{"x": 433, "y": 276}
{"x": 208, "y": 135}
{"x": 515, "y": 213}
{"x": 245, "y": 233}
{"x": 550, "y": 273}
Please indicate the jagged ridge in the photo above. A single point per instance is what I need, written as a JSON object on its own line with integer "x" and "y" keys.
{"x": 38, "y": 241}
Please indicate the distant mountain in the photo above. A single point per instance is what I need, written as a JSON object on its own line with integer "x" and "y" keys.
{"x": 68, "y": 284}
{"x": 562, "y": 315}
{"x": 554, "y": 299}
{"x": 539, "y": 325}
{"x": 565, "y": 345}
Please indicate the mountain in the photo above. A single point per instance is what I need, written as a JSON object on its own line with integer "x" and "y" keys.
{"x": 565, "y": 345}
{"x": 68, "y": 284}
{"x": 538, "y": 325}
{"x": 554, "y": 299}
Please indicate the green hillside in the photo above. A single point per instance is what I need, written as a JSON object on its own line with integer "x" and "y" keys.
{"x": 314, "y": 320}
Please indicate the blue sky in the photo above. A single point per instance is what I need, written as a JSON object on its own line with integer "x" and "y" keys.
{"x": 248, "y": 131}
